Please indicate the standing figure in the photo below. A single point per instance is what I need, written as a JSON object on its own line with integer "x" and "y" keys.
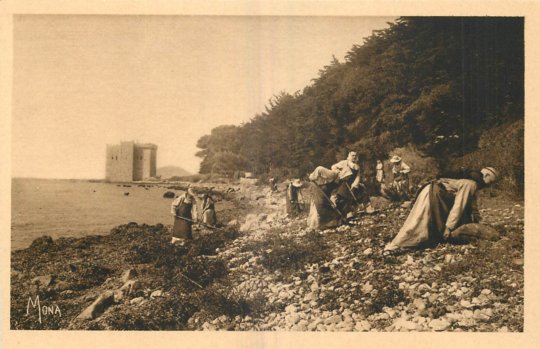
{"x": 273, "y": 184}
{"x": 208, "y": 210}
{"x": 379, "y": 176}
{"x": 184, "y": 209}
{"x": 400, "y": 170}
{"x": 442, "y": 206}
{"x": 292, "y": 204}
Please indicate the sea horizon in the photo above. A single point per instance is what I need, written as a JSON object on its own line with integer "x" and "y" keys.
{"x": 61, "y": 207}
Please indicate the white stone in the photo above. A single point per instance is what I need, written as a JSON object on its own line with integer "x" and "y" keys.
{"x": 419, "y": 304}
{"x": 137, "y": 300}
{"x": 439, "y": 324}
{"x": 130, "y": 287}
{"x": 367, "y": 287}
{"x": 292, "y": 319}
{"x": 333, "y": 320}
{"x": 402, "y": 324}
{"x": 409, "y": 260}
{"x": 409, "y": 278}
{"x": 291, "y": 308}
{"x": 467, "y": 314}
{"x": 466, "y": 304}
{"x": 105, "y": 300}
{"x": 363, "y": 326}
{"x": 156, "y": 294}
{"x": 480, "y": 314}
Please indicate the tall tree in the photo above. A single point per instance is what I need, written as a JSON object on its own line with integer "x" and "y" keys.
{"x": 435, "y": 82}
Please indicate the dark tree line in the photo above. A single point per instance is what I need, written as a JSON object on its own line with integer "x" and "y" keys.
{"x": 437, "y": 83}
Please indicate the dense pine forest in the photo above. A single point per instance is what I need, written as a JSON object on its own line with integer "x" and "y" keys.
{"x": 449, "y": 88}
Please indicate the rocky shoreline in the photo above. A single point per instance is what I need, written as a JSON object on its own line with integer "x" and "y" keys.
{"x": 266, "y": 272}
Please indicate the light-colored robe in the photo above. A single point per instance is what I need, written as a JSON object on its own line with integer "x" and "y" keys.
{"x": 415, "y": 230}
{"x": 340, "y": 170}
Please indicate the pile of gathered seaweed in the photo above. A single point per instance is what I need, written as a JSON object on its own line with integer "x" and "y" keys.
{"x": 71, "y": 273}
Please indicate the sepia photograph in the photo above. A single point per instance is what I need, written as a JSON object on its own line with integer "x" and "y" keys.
{"x": 267, "y": 173}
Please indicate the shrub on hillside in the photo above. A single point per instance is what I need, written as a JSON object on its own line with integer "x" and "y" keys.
{"x": 288, "y": 254}
{"x": 502, "y": 147}
{"x": 207, "y": 244}
{"x": 146, "y": 247}
{"x": 422, "y": 166}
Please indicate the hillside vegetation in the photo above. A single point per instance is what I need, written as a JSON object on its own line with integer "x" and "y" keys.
{"x": 449, "y": 87}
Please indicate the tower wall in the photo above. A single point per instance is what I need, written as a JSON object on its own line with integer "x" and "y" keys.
{"x": 128, "y": 162}
{"x": 144, "y": 163}
{"x": 119, "y": 166}
{"x": 153, "y": 161}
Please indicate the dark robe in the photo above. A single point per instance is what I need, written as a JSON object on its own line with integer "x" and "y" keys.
{"x": 182, "y": 228}
{"x": 293, "y": 206}
{"x": 209, "y": 212}
{"x": 330, "y": 216}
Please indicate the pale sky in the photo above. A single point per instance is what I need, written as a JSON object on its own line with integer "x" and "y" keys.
{"x": 81, "y": 82}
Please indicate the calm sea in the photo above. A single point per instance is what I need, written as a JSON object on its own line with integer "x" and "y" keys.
{"x": 61, "y": 208}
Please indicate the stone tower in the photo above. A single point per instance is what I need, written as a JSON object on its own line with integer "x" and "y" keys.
{"x": 129, "y": 161}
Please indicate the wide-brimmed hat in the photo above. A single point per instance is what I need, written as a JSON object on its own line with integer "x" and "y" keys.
{"x": 297, "y": 183}
{"x": 395, "y": 159}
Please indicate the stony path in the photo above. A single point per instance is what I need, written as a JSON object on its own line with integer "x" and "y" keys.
{"x": 356, "y": 288}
